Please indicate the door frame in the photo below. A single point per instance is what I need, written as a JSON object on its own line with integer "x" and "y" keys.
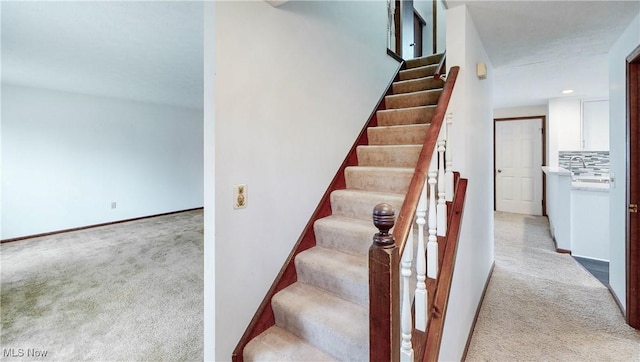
{"x": 422, "y": 23}
{"x": 397, "y": 17}
{"x": 632, "y": 223}
{"x": 544, "y": 156}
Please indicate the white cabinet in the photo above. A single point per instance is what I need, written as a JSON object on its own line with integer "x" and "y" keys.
{"x": 558, "y": 201}
{"x": 578, "y": 214}
{"x": 590, "y": 223}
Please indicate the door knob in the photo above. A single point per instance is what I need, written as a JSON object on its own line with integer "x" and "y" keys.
{"x": 499, "y": 170}
{"x": 633, "y": 207}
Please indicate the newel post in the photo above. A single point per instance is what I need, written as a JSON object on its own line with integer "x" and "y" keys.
{"x": 384, "y": 289}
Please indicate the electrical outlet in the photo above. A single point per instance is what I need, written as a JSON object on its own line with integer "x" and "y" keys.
{"x": 113, "y": 204}
{"x": 240, "y": 196}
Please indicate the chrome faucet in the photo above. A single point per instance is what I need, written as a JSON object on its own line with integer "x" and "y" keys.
{"x": 571, "y": 163}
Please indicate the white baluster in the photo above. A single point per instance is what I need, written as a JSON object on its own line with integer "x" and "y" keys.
{"x": 432, "y": 243}
{"x": 442, "y": 205}
{"x": 448, "y": 174}
{"x": 421, "y": 264}
{"x": 406, "y": 349}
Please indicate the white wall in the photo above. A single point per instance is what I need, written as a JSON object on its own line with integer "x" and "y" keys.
{"x": 473, "y": 157}
{"x": 209, "y": 314}
{"x": 563, "y": 127}
{"x": 441, "y": 27}
{"x": 0, "y": 124}
{"x": 293, "y": 90}
{"x": 617, "y": 143}
{"x": 66, "y": 157}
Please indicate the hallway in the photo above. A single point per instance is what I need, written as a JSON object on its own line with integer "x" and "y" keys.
{"x": 543, "y": 305}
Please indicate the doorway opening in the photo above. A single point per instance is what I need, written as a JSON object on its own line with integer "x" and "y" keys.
{"x": 518, "y": 156}
{"x": 633, "y": 189}
{"x": 418, "y": 34}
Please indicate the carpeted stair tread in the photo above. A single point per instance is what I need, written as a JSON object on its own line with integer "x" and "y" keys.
{"x": 411, "y": 115}
{"x": 388, "y": 155}
{"x": 330, "y": 323}
{"x": 344, "y": 275}
{"x": 418, "y": 72}
{"x": 415, "y": 85}
{"x": 277, "y": 344}
{"x": 422, "y": 61}
{"x": 348, "y": 235}
{"x": 382, "y": 179}
{"x": 398, "y": 135}
{"x": 414, "y": 99}
{"x": 359, "y": 204}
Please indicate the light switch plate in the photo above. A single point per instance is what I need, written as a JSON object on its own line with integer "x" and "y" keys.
{"x": 240, "y": 199}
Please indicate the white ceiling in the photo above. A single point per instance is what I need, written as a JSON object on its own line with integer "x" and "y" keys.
{"x": 145, "y": 51}
{"x": 152, "y": 51}
{"x": 539, "y": 48}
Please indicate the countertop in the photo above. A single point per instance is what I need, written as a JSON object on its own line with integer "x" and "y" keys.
{"x": 549, "y": 170}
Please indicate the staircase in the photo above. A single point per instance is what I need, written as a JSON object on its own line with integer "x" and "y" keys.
{"x": 324, "y": 314}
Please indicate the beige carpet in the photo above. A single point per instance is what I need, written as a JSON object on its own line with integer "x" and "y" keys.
{"x": 125, "y": 292}
{"x": 541, "y": 305}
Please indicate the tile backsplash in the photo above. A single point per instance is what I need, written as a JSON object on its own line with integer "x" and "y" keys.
{"x": 597, "y": 162}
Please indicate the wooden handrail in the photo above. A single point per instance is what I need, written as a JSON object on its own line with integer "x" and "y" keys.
{"x": 408, "y": 210}
{"x": 442, "y": 67}
{"x": 439, "y": 308}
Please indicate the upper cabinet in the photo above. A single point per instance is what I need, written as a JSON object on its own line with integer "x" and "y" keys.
{"x": 595, "y": 125}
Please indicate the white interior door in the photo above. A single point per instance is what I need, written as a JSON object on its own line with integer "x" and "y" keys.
{"x": 518, "y": 170}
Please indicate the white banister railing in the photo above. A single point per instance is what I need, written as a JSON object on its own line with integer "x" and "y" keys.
{"x": 431, "y": 214}
{"x": 432, "y": 241}
{"x": 442, "y": 205}
{"x": 406, "y": 349}
{"x": 448, "y": 156}
{"x": 421, "y": 264}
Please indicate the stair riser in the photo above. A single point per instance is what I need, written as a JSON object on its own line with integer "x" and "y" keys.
{"x": 354, "y": 289}
{"x": 355, "y": 207}
{"x": 318, "y": 334}
{"x": 388, "y": 156}
{"x": 359, "y": 240}
{"x": 416, "y": 85}
{"x": 414, "y": 99}
{"x": 407, "y": 135}
{"x": 405, "y": 116}
{"x": 392, "y": 182}
{"x": 420, "y": 62}
{"x": 334, "y": 238}
{"x": 276, "y": 344}
{"x": 420, "y": 72}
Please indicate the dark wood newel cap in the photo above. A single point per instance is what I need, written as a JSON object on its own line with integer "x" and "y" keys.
{"x": 383, "y": 219}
